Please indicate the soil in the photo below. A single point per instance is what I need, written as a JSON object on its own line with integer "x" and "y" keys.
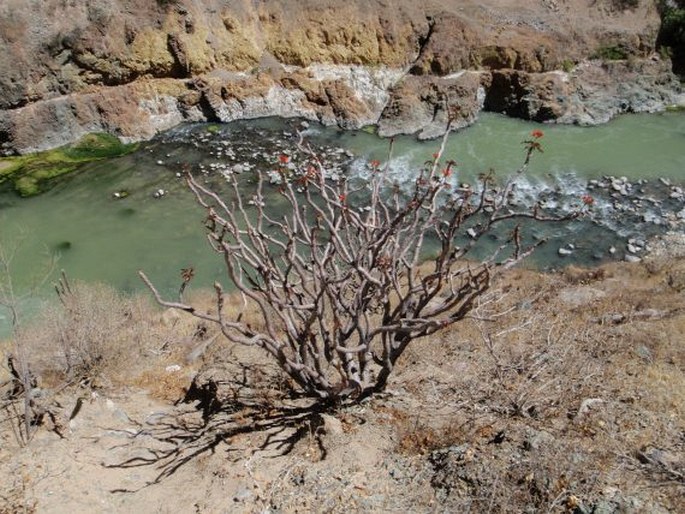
{"x": 571, "y": 400}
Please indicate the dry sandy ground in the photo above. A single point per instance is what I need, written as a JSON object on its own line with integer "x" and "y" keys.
{"x": 573, "y": 401}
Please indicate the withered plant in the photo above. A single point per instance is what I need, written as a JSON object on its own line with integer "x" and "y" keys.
{"x": 344, "y": 280}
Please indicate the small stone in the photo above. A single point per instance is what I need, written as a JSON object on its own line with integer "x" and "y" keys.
{"x": 172, "y": 368}
{"x": 644, "y": 353}
{"x": 472, "y": 233}
{"x": 160, "y": 163}
{"x": 605, "y": 507}
{"x": 588, "y": 404}
{"x": 564, "y": 252}
{"x": 612, "y": 250}
{"x": 580, "y": 295}
{"x": 243, "y": 495}
{"x": 170, "y": 317}
{"x": 332, "y": 425}
{"x": 632, "y": 258}
{"x": 536, "y": 439}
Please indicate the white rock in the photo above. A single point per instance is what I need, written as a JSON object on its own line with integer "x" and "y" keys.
{"x": 587, "y": 404}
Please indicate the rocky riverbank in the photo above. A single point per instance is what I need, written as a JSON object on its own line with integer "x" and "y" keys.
{"x": 617, "y": 216}
{"x": 133, "y": 68}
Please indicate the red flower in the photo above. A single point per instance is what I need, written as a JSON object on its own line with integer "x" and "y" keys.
{"x": 587, "y": 199}
{"x": 436, "y": 155}
{"x": 537, "y": 134}
{"x": 375, "y": 163}
{"x": 342, "y": 197}
{"x": 446, "y": 172}
{"x": 283, "y": 158}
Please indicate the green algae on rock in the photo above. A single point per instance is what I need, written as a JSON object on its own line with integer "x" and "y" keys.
{"x": 32, "y": 174}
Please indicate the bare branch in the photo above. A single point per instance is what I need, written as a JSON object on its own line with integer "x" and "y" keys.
{"x": 337, "y": 278}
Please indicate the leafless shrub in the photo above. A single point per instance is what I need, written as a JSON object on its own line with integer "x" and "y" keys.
{"x": 95, "y": 333}
{"x": 336, "y": 279}
{"x": 540, "y": 366}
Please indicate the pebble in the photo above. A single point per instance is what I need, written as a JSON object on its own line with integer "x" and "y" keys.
{"x": 536, "y": 439}
{"x": 243, "y": 495}
{"x": 565, "y": 252}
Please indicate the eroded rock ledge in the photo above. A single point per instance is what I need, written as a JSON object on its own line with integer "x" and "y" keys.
{"x": 133, "y": 68}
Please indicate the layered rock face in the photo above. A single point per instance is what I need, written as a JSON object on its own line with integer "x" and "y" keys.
{"x": 134, "y": 67}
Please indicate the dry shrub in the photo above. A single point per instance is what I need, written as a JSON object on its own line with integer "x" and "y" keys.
{"x": 561, "y": 408}
{"x": 578, "y": 275}
{"x": 95, "y": 336}
{"x": 418, "y": 438}
{"x": 163, "y": 384}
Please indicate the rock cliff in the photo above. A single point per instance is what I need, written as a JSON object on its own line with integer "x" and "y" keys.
{"x": 134, "y": 67}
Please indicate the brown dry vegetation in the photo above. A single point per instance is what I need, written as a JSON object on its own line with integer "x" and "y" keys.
{"x": 564, "y": 393}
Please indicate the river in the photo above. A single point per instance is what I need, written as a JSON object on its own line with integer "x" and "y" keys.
{"x": 97, "y": 237}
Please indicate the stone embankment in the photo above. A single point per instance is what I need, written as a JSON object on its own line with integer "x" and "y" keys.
{"x": 134, "y": 67}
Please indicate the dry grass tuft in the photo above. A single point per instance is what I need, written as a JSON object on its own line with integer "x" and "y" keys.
{"x": 561, "y": 404}
{"x": 99, "y": 337}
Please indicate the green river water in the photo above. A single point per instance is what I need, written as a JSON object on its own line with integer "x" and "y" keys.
{"x": 99, "y": 238}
